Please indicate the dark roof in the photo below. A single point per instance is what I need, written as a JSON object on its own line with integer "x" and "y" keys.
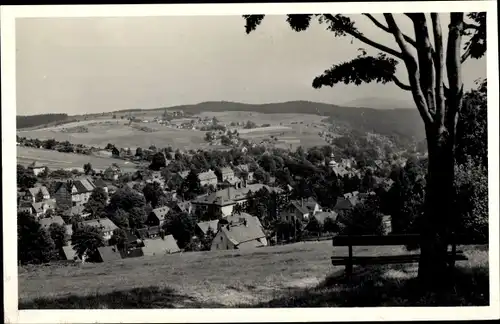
{"x": 100, "y": 183}
{"x": 109, "y": 253}
{"x": 149, "y": 231}
{"x": 184, "y": 206}
{"x": 343, "y": 203}
{"x": 36, "y": 165}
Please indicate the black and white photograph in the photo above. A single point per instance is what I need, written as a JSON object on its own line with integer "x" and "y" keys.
{"x": 255, "y": 157}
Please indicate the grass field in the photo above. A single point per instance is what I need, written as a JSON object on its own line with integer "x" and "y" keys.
{"x": 292, "y": 275}
{"x": 58, "y": 160}
{"x": 104, "y": 130}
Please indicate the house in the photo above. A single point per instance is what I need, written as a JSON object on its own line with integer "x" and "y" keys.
{"x": 224, "y": 200}
{"x": 158, "y": 216}
{"x": 202, "y": 227}
{"x": 36, "y": 167}
{"x": 320, "y": 217}
{"x": 301, "y": 210}
{"x": 183, "y": 207}
{"x": 69, "y": 253}
{"x": 105, "y": 224}
{"x": 208, "y": 178}
{"x": 112, "y": 173}
{"x": 34, "y": 194}
{"x": 46, "y": 222}
{"x": 148, "y": 232}
{"x": 159, "y": 246}
{"x": 183, "y": 174}
{"x": 74, "y": 192}
{"x": 227, "y": 174}
{"x": 108, "y": 253}
{"x": 40, "y": 208}
{"x": 99, "y": 183}
{"x": 242, "y": 234}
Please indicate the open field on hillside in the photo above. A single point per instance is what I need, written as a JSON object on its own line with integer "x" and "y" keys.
{"x": 299, "y": 129}
{"x": 292, "y": 275}
{"x": 117, "y": 132}
{"x": 59, "y": 160}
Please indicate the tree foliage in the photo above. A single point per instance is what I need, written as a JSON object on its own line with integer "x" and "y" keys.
{"x": 86, "y": 239}
{"x": 34, "y": 243}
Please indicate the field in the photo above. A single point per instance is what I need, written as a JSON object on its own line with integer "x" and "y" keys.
{"x": 59, "y": 160}
{"x": 296, "y": 129}
{"x": 291, "y": 275}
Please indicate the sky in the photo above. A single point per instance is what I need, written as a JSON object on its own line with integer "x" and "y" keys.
{"x": 89, "y": 65}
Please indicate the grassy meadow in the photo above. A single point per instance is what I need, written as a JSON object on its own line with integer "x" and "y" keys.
{"x": 60, "y": 160}
{"x": 298, "y": 275}
{"x": 296, "y": 129}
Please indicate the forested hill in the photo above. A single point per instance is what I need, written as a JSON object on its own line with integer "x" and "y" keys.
{"x": 391, "y": 122}
{"x": 38, "y": 120}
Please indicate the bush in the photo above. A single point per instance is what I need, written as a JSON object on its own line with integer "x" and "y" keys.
{"x": 363, "y": 219}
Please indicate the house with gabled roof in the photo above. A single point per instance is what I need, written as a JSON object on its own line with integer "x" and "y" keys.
{"x": 240, "y": 233}
{"x": 36, "y": 167}
{"x": 104, "y": 224}
{"x": 160, "y": 246}
{"x": 74, "y": 192}
{"x": 41, "y": 208}
{"x": 224, "y": 200}
{"x": 207, "y": 178}
{"x": 158, "y": 216}
{"x": 202, "y": 227}
{"x": 76, "y": 211}
{"x": 301, "y": 210}
{"x": 183, "y": 207}
{"x": 108, "y": 254}
{"x": 34, "y": 193}
{"x": 227, "y": 174}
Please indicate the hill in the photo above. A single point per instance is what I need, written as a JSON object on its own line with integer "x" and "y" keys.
{"x": 380, "y": 103}
{"x": 389, "y": 122}
{"x": 293, "y": 275}
{"x": 39, "y": 120}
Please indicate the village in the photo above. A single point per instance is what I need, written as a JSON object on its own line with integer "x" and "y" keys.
{"x": 218, "y": 214}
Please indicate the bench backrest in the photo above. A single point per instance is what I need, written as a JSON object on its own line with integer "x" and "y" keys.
{"x": 392, "y": 239}
{"x": 372, "y": 240}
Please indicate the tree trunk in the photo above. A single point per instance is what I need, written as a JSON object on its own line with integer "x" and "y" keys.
{"x": 437, "y": 218}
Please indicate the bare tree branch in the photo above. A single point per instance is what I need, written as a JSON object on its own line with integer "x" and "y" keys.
{"x": 366, "y": 40}
{"x": 471, "y": 26}
{"x": 400, "y": 84}
{"x": 439, "y": 66}
{"x": 412, "y": 67}
{"x": 386, "y": 29}
{"x": 466, "y": 54}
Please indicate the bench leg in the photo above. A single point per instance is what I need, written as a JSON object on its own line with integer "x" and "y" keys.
{"x": 348, "y": 267}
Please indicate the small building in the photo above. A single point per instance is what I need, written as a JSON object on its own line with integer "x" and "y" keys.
{"x": 158, "y": 216}
{"x": 301, "y": 210}
{"x": 41, "y": 208}
{"x": 243, "y": 234}
{"x": 148, "y": 232}
{"x": 202, "y": 227}
{"x": 108, "y": 253}
{"x": 208, "y": 178}
{"x": 183, "y": 207}
{"x": 46, "y": 222}
{"x": 112, "y": 173}
{"x": 33, "y": 194}
{"x": 74, "y": 192}
{"x": 159, "y": 246}
{"x": 36, "y": 167}
{"x": 104, "y": 224}
{"x": 69, "y": 253}
{"x": 227, "y": 174}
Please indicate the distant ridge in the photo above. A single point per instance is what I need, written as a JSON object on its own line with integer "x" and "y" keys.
{"x": 390, "y": 122}
{"x": 380, "y": 103}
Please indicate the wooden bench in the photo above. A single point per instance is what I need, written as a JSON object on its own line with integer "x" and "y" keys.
{"x": 386, "y": 240}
